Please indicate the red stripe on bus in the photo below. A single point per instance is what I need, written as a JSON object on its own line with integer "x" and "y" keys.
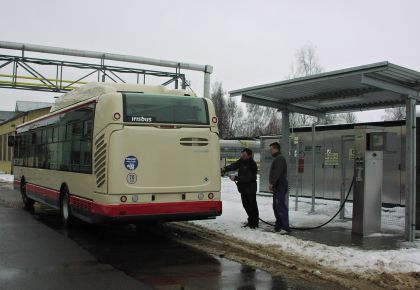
{"x": 43, "y": 190}
{"x": 147, "y": 209}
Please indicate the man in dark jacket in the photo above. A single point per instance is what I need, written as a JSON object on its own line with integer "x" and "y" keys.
{"x": 246, "y": 180}
{"x": 279, "y": 186}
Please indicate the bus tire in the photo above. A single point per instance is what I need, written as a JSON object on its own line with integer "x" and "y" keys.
{"x": 65, "y": 210}
{"x": 28, "y": 203}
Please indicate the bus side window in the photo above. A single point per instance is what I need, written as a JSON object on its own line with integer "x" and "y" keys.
{"x": 24, "y": 149}
{"x": 62, "y": 133}
{"x": 54, "y": 136}
{"x": 31, "y": 149}
{"x": 64, "y": 151}
{"x": 75, "y": 156}
{"x": 50, "y": 134}
{"x": 52, "y": 156}
{"x": 87, "y": 128}
{"x": 86, "y": 156}
{"x": 77, "y": 130}
{"x": 69, "y": 132}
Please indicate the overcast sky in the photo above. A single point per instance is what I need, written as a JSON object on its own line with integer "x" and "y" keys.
{"x": 247, "y": 42}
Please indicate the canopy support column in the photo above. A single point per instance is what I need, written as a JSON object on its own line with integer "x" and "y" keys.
{"x": 285, "y": 131}
{"x": 313, "y": 166}
{"x": 410, "y": 169}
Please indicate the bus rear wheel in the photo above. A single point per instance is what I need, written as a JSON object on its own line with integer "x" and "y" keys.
{"x": 28, "y": 203}
{"x": 65, "y": 211}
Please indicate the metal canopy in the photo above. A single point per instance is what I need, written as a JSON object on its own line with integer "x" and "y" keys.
{"x": 373, "y": 86}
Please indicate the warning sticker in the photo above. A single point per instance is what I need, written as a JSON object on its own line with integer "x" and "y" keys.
{"x": 331, "y": 159}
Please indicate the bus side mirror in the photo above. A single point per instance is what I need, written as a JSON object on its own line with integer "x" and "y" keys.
{"x": 11, "y": 141}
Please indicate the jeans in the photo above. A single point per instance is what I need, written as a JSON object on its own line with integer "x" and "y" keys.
{"x": 281, "y": 212}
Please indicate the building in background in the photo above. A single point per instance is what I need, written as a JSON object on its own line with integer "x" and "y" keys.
{"x": 9, "y": 120}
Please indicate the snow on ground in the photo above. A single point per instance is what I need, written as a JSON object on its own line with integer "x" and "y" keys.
{"x": 341, "y": 258}
{"x": 6, "y": 177}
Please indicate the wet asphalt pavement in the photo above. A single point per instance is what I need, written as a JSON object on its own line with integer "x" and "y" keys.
{"x": 163, "y": 263}
{"x": 37, "y": 253}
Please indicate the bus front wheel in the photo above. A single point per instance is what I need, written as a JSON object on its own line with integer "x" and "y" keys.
{"x": 65, "y": 208}
{"x": 28, "y": 204}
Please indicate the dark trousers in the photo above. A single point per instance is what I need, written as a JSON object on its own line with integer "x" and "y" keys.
{"x": 281, "y": 212}
{"x": 249, "y": 202}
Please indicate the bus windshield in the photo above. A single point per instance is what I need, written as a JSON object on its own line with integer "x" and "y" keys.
{"x": 146, "y": 108}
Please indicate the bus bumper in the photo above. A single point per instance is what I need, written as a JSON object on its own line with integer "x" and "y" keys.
{"x": 126, "y": 213}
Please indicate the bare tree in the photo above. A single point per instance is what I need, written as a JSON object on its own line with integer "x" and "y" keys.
{"x": 329, "y": 119}
{"x": 392, "y": 114}
{"x": 350, "y": 117}
{"x": 299, "y": 120}
{"x": 217, "y": 97}
{"x": 273, "y": 126}
{"x": 234, "y": 116}
{"x": 254, "y": 122}
{"x": 306, "y": 64}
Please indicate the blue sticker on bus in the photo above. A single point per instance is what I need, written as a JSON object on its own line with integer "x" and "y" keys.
{"x": 131, "y": 162}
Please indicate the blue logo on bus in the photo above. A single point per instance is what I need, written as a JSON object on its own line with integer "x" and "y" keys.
{"x": 131, "y": 162}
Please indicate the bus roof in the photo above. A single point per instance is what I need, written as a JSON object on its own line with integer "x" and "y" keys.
{"x": 94, "y": 90}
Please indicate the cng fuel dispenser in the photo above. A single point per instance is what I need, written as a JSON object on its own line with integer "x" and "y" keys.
{"x": 370, "y": 144}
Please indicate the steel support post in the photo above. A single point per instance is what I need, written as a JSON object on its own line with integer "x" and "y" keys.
{"x": 313, "y": 166}
{"x": 296, "y": 154}
{"x": 284, "y": 142}
{"x": 410, "y": 169}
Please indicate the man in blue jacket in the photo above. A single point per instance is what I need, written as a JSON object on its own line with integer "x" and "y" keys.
{"x": 246, "y": 180}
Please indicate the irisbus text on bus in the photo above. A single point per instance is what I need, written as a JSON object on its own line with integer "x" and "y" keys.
{"x": 118, "y": 152}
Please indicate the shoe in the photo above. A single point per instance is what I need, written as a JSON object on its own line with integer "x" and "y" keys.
{"x": 245, "y": 225}
{"x": 282, "y": 231}
{"x": 253, "y": 226}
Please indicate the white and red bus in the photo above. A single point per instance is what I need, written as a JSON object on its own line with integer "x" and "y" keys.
{"x": 118, "y": 152}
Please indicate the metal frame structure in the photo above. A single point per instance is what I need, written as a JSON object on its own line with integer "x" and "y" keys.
{"x": 113, "y": 73}
{"x": 36, "y": 80}
{"x": 372, "y": 86}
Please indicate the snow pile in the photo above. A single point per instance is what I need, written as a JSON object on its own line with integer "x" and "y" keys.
{"x": 340, "y": 258}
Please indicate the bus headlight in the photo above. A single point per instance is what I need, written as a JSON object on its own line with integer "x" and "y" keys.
{"x": 211, "y": 195}
{"x": 123, "y": 198}
{"x": 135, "y": 198}
{"x": 200, "y": 196}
